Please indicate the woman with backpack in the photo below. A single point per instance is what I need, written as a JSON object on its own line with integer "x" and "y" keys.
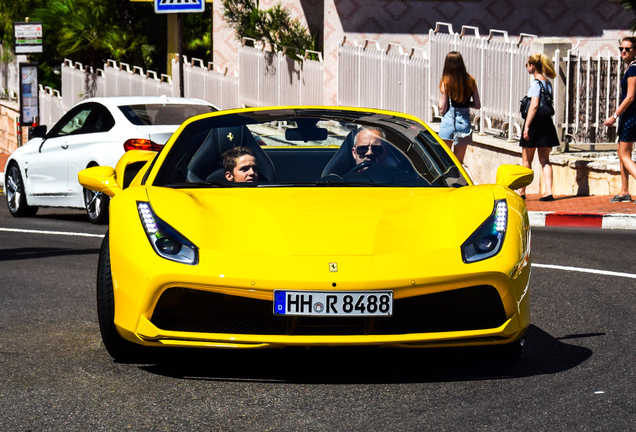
{"x": 539, "y": 134}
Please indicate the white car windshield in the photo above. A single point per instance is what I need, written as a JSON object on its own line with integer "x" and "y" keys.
{"x": 162, "y": 114}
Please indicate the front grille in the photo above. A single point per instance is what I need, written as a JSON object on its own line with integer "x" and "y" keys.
{"x": 188, "y": 310}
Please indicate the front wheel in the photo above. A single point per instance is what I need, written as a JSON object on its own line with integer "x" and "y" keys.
{"x": 96, "y": 204}
{"x": 119, "y": 348}
{"x": 16, "y": 195}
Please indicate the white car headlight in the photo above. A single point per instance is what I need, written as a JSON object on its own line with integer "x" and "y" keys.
{"x": 165, "y": 240}
{"x": 487, "y": 240}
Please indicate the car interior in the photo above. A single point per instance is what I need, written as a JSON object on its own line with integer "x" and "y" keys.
{"x": 301, "y": 151}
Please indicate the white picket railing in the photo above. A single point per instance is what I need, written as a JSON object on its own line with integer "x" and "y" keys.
{"x": 592, "y": 89}
{"x": 498, "y": 66}
{"x": 369, "y": 75}
{"x": 9, "y": 87}
{"x": 203, "y": 82}
{"x": 116, "y": 79}
{"x": 51, "y": 106}
{"x": 272, "y": 79}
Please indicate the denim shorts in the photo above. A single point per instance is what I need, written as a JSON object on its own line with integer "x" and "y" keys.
{"x": 455, "y": 124}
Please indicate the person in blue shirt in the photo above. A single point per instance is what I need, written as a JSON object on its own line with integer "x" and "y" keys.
{"x": 626, "y": 116}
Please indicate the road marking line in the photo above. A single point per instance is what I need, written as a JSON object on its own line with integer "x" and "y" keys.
{"x": 582, "y": 270}
{"x": 51, "y": 232}
{"x": 549, "y": 266}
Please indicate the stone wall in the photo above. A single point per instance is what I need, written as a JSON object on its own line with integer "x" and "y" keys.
{"x": 8, "y": 113}
{"x": 581, "y": 174}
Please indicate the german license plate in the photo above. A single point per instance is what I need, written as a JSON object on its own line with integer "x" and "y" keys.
{"x": 320, "y": 303}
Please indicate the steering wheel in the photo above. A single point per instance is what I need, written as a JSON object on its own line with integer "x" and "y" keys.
{"x": 360, "y": 166}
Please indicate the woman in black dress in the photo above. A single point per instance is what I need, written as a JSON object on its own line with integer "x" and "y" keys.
{"x": 539, "y": 133}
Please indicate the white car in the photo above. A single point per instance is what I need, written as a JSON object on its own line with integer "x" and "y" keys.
{"x": 98, "y": 131}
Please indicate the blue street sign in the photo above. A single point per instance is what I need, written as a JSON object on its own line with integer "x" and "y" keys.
{"x": 175, "y": 6}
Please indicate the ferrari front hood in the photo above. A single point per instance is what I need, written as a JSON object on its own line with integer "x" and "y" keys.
{"x": 331, "y": 221}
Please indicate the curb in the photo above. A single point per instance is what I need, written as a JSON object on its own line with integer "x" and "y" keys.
{"x": 582, "y": 220}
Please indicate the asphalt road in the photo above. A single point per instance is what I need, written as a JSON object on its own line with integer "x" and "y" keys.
{"x": 578, "y": 372}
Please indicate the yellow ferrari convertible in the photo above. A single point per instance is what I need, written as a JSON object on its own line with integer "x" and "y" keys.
{"x": 309, "y": 226}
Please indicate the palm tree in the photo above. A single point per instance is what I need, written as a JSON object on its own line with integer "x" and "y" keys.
{"x": 275, "y": 26}
{"x": 88, "y": 32}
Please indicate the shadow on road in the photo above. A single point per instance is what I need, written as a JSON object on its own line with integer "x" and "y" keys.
{"x": 544, "y": 355}
{"x": 72, "y": 217}
{"x": 33, "y": 253}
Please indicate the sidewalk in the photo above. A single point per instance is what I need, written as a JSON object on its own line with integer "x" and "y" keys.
{"x": 582, "y": 212}
{"x": 564, "y": 211}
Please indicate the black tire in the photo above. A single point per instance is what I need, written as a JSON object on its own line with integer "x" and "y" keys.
{"x": 16, "y": 195}
{"x": 119, "y": 348}
{"x": 96, "y": 204}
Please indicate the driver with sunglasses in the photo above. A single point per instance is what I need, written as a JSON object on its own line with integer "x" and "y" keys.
{"x": 369, "y": 146}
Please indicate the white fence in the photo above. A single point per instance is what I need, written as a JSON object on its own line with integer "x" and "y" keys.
{"x": 51, "y": 106}
{"x": 9, "y": 74}
{"x": 115, "y": 79}
{"x": 592, "y": 94}
{"x": 498, "y": 66}
{"x": 586, "y": 90}
{"x": 203, "y": 82}
{"x": 268, "y": 79}
{"x": 272, "y": 79}
{"x": 371, "y": 77}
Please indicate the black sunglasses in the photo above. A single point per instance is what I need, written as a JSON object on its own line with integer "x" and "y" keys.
{"x": 363, "y": 149}
{"x": 628, "y": 49}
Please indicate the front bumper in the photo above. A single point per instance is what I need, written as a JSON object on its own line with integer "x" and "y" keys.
{"x": 197, "y": 317}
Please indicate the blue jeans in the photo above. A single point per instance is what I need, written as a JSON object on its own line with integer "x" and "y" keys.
{"x": 455, "y": 124}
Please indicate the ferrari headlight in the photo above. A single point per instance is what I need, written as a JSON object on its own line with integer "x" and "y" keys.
{"x": 486, "y": 242}
{"x": 165, "y": 240}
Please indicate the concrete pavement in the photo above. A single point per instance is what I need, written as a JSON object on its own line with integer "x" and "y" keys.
{"x": 564, "y": 211}
{"x": 581, "y": 211}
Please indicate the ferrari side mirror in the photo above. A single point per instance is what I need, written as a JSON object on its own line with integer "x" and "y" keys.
{"x": 514, "y": 176}
{"x": 100, "y": 179}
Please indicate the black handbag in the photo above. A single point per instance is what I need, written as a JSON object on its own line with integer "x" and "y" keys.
{"x": 546, "y": 105}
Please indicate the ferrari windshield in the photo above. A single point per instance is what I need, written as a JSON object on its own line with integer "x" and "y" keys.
{"x": 307, "y": 147}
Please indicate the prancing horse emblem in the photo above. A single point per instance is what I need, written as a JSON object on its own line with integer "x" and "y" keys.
{"x": 230, "y": 136}
{"x": 333, "y": 267}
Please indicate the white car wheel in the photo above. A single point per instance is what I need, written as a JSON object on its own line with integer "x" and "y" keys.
{"x": 96, "y": 204}
{"x": 16, "y": 196}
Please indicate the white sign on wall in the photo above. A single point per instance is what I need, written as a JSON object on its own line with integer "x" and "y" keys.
{"x": 28, "y": 37}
